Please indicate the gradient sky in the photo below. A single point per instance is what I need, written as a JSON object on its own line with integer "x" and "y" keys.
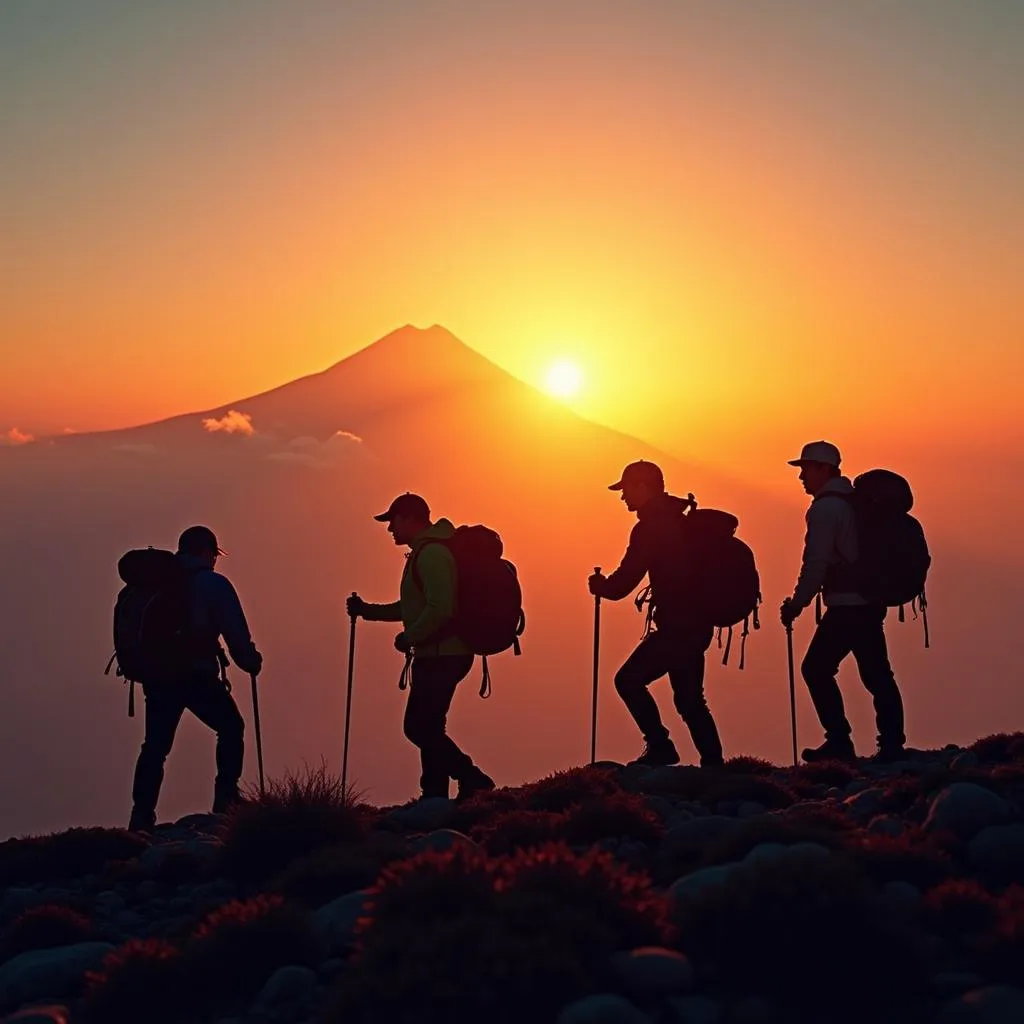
{"x": 744, "y": 219}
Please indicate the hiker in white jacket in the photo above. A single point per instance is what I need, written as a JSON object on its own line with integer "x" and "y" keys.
{"x": 850, "y": 623}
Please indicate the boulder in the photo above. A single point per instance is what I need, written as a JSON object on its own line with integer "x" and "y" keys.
{"x": 650, "y": 972}
{"x": 336, "y": 921}
{"x": 994, "y": 1004}
{"x": 48, "y": 973}
{"x": 964, "y": 809}
{"x": 602, "y": 1009}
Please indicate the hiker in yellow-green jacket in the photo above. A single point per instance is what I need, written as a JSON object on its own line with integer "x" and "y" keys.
{"x": 440, "y": 661}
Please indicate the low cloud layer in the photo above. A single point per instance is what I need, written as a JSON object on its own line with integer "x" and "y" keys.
{"x": 233, "y": 422}
{"x": 308, "y": 451}
{"x": 14, "y": 436}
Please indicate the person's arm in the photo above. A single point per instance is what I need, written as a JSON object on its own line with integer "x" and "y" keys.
{"x": 391, "y": 612}
{"x": 229, "y": 621}
{"x": 435, "y": 565}
{"x": 823, "y": 520}
{"x": 631, "y": 571}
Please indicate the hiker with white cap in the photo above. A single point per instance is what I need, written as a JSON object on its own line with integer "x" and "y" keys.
{"x": 851, "y": 623}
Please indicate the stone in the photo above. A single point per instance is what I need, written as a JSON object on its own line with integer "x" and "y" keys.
{"x": 903, "y": 893}
{"x": 998, "y": 850}
{"x": 288, "y": 994}
{"x": 336, "y": 921}
{"x": 966, "y": 759}
{"x": 602, "y": 1009}
{"x": 660, "y": 806}
{"x": 425, "y": 815}
{"x": 764, "y": 852}
{"x": 700, "y": 830}
{"x": 109, "y": 903}
{"x": 955, "y": 983}
{"x": 48, "y": 973}
{"x": 993, "y": 1004}
{"x": 696, "y": 881}
{"x": 887, "y": 825}
{"x": 865, "y": 804}
{"x": 750, "y": 809}
{"x": 440, "y": 840}
{"x": 652, "y": 972}
{"x": 694, "y": 1010}
{"x": 964, "y": 809}
{"x": 752, "y": 1010}
{"x": 39, "y": 1015}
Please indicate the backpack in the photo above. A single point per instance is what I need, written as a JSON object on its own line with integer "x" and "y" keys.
{"x": 489, "y": 616}
{"x": 721, "y": 575}
{"x": 151, "y": 618}
{"x": 892, "y": 554}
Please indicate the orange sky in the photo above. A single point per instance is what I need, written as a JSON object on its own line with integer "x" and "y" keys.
{"x": 748, "y": 225}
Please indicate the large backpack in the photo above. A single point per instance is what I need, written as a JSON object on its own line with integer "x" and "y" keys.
{"x": 892, "y": 553}
{"x": 720, "y": 574}
{"x": 151, "y": 618}
{"x": 489, "y": 616}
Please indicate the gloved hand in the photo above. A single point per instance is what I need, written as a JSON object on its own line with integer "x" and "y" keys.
{"x": 402, "y": 643}
{"x": 596, "y": 584}
{"x": 355, "y": 606}
{"x": 788, "y": 612}
{"x": 257, "y": 665}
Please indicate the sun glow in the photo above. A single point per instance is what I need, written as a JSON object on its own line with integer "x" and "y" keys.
{"x": 564, "y": 379}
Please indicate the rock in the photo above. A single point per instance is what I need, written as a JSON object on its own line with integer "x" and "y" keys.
{"x": 693, "y": 883}
{"x": 148, "y": 890}
{"x": 887, "y": 825}
{"x": 652, "y": 972}
{"x": 994, "y": 1004}
{"x": 39, "y": 1015}
{"x": 700, "y": 830}
{"x": 752, "y": 1010}
{"x": 678, "y": 817}
{"x": 48, "y": 973}
{"x": 866, "y": 803}
{"x": 288, "y": 995}
{"x": 130, "y": 922}
{"x": 694, "y": 1010}
{"x": 440, "y": 840}
{"x": 153, "y": 859}
{"x": 835, "y": 793}
{"x": 336, "y": 921}
{"x": 903, "y": 893}
{"x": 808, "y": 849}
{"x": 998, "y": 850}
{"x": 16, "y": 900}
{"x": 750, "y": 809}
{"x": 964, "y": 809}
{"x": 966, "y": 759}
{"x": 602, "y": 1009}
{"x": 660, "y": 806}
{"x": 213, "y": 894}
{"x": 425, "y": 815}
{"x": 109, "y": 903}
{"x": 330, "y": 968}
{"x": 955, "y": 983}
{"x": 855, "y": 786}
{"x": 207, "y": 824}
{"x": 765, "y": 852}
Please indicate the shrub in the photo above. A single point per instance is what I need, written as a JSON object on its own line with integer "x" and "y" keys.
{"x": 742, "y": 788}
{"x": 618, "y": 815}
{"x": 1001, "y": 948}
{"x": 560, "y": 791}
{"x": 44, "y": 927}
{"x": 65, "y": 855}
{"x": 811, "y": 933}
{"x": 746, "y": 765}
{"x": 298, "y": 814}
{"x": 959, "y": 910}
{"x": 826, "y": 773}
{"x": 144, "y": 976}
{"x": 999, "y": 747}
{"x": 332, "y": 871}
{"x": 237, "y": 947}
{"x": 455, "y": 936}
{"x": 913, "y": 857}
{"x": 519, "y": 830}
{"x": 481, "y": 808}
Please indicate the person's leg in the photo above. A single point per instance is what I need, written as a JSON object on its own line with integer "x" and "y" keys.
{"x": 687, "y": 679}
{"x": 831, "y": 643}
{"x": 872, "y": 654}
{"x": 431, "y": 689}
{"x": 209, "y": 700}
{"x": 163, "y": 713}
{"x": 649, "y": 661}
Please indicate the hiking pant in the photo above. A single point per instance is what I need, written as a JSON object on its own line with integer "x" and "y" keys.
{"x": 856, "y": 629}
{"x": 680, "y": 654}
{"x": 431, "y": 689}
{"x": 208, "y": 699}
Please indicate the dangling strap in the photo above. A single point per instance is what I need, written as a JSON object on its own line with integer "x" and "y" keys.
{"x": 131, "y": 698}
{"x": 728, "y": 648}
{"x": 903, "y": 617}
{"x": 641, "y": 599}
{"x": 223, "y": 659}
{"x": 403, "y": 679}
{"x": 924, "y": 617}
{"x": 817, "y": 608}
{"x": 106, "y": 671}
{"x": 743, "y": 642}
{"x": 485, "y": 681}
{"x": 757, "y": 620}
{"x": 520, "y": 629}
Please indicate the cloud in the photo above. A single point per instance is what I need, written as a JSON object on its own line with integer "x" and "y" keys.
{"x": 136, "y": 448}
{"x": 309, "y": 451}
{"x": 14, "y": 436}
{"x": 233, "y": 423}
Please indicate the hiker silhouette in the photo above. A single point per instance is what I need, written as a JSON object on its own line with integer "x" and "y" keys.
{"x": 436, "y": 659}
{"x": 852, "y": 623}
{"x": 677, "y": 636}
{"x": 190, "y": 607}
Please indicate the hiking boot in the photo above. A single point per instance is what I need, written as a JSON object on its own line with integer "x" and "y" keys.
{"x": 142, "y": 822}
{"x": 712, "y": 762}
{"x": 659, "y": 754}
{"x": 889, "y": 752}
{"x": 223, "y": 804}
{"x": 475, "y": 781}
{"x": 831, "y": 750}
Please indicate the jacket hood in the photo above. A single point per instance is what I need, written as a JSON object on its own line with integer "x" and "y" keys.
{"x": 441, "y": 530}
{"x": 663, "y": 506}
{"x": 837, "y": 485}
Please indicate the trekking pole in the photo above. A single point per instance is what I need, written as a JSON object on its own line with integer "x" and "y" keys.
{"x": 597, "y": 652}
{"x": 256, "y": 724}
{"x": 348, "y": 697}
{"x": 792, "y": 687}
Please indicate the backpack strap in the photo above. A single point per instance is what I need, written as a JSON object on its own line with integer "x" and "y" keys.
{"x": 106, "y": 671}
{"x": 644, "y": 597}
{"x": 817, "y": 608}
{"x": 131, "y": 698}
{"x": 728, "y": 647}
{"x": 485, "y": 680}
{"x": 743, "y": 642}
{"x": 403, "y": 679}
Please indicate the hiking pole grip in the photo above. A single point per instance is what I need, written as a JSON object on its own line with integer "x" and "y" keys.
{"x": 792, "y": 688}
{"x": 348, "y": 696}
{"x": 597, "y": 655}
{"x": 256, "y": 726}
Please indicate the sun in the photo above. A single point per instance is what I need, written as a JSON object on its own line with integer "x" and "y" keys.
{"x": 564, "y": 379}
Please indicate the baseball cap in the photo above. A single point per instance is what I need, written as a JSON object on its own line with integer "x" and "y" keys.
{"x": 199, "y": 538}
{"x": 818, "y": 451}
{"x": 409, "y": 505}
{"x": 640, "y": 472}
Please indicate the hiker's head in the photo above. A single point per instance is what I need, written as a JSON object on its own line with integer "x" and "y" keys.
{"x": 640, "y": 481}
{"x": 200, "y": 542}
{"x": 407, "y": 517}
{"x": 818, "y": 463}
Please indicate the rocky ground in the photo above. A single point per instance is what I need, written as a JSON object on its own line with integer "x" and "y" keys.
{"x": 606, "y": 895}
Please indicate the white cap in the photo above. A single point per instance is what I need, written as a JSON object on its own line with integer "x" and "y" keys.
{"x": 818, "y": 451}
